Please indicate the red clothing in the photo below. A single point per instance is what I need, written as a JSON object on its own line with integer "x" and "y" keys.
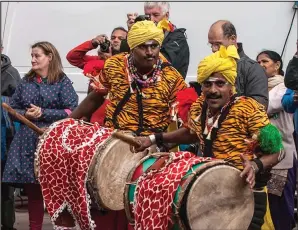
{"x": 77, "y": 56}
{"x": 99, "y": 114}
{"x": 112, "y": 220}
{"x": 35, "y": 206}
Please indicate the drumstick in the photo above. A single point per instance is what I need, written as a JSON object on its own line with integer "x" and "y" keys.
{"x": 22, "y": 118}
{"x": 128, "y": 139}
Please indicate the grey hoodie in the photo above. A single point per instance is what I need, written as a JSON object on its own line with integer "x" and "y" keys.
{"x": 10, "y": 77}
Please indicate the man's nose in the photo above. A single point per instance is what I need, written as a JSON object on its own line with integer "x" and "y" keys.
{"x": 149, "y": 50}
{"x": 117, "y": 40}
{"x": 213, "y": 88}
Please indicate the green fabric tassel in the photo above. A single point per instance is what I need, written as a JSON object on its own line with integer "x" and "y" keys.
{"x": 270, "y": 139}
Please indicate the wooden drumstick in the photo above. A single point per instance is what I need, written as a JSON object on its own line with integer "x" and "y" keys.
{"x": 22, "y": 119}
{"x": 128, "y": 139}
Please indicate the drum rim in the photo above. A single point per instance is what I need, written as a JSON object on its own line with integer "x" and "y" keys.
{"x": 190, "y": 187}
{"x": 129, "y": 182}
{"x": 93, "y": 169}
{"x": 181, "y": 221}
{"x": 91, "y": 185}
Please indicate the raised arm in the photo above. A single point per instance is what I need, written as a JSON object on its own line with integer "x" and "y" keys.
{"x": 77, "y": 56}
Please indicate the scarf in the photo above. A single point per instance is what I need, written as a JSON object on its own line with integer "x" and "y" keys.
{"x": 274, "y": 81}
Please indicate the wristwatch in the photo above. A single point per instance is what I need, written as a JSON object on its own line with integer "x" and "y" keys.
{"x": 152, "y": 139}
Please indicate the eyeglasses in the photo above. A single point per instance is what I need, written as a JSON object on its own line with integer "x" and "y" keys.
{"x": 218, "y": 83}
{"x": 215, "y": 45}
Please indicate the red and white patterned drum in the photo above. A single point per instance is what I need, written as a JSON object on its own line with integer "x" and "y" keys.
{"x": 72, "y": 155}
{"x": 182, "y": 191}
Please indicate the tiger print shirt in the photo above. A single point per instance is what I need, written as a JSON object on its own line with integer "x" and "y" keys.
{"x": 157, "y": 99}
{"x": 244, "y": 119}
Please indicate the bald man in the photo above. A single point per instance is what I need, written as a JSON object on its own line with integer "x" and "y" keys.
{"x": 251, "y": 79}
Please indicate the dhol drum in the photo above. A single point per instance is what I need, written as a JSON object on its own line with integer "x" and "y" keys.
{"x": 74, "y": 157}
{"x": 210, "y": 195}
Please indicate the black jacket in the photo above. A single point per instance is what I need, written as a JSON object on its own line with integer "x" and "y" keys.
{"x": 10, "y": 77}
{"x": 176, "y": 50}
{"x": 251, "y": 78}
{"x": 291, "y": 78}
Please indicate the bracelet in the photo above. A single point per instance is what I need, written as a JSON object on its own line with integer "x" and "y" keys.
{"x": 254, "y": 167}
{"x": 152, "y": 139}
{"x": 259, "y": 163}
{"x": 158, "y": 139}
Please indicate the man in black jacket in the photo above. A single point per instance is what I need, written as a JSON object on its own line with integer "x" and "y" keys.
{"x": 174, "y": 47}
{"x": 291, "y": 78}
{"x": 10, "y": 77}
{"x": 251, "y": 79}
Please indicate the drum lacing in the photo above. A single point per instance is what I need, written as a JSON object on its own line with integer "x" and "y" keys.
{"x": 193, "y": 171}
{"x": 131, "y": 183}
{"x": 176, "y": 208}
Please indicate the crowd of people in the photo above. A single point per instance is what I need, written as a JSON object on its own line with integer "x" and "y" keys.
{"x": 135, "y": 82}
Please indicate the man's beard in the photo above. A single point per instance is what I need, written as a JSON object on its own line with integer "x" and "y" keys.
{"x": 115, "y": 51}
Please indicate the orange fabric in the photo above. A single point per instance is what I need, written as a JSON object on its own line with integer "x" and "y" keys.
{"x": 245, "y": 119}
{"x": 157, "y": 99}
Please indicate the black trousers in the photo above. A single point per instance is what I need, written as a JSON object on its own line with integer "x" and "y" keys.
{"x": 7, "y": 203}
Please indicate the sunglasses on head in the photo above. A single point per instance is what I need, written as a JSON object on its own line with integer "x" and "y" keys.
{"x": 219, "y": 83}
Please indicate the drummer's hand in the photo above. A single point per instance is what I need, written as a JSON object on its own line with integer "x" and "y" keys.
{"x": 248, "y": 171}
{"x": 144, "y": 142}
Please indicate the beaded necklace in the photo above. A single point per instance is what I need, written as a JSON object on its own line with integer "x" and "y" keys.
{"x": 212, "y": 121}
{"x": 144, "y": 80}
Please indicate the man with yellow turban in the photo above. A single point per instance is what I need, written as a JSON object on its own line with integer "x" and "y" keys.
{"x": 225, "y": 126}
{"x": 142, "y": 87}
{"x": 174, "y": 47}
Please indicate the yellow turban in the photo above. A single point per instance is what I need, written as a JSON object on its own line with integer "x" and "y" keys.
{"x": 144, "y": 31}
{"x": 222, "y": 61}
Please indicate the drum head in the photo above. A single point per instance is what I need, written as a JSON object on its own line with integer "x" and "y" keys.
{"x": 112, "y": 168}
{"x": 219, "y": 199}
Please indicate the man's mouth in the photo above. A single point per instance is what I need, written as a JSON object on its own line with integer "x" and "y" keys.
{"x": 149, "y": 58}
{"x": 213, "y": 97}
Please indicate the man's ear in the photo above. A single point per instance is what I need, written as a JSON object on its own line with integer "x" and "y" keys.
{"x": 233, "y": 38}
{"x": 167, "y": 15}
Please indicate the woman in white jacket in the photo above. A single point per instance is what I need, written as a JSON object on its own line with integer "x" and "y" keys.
{"x": 281, "y": 187}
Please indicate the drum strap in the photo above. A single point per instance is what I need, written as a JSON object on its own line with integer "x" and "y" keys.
{"x": 139, "y": 96}
{"x": 207, "y": 151}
